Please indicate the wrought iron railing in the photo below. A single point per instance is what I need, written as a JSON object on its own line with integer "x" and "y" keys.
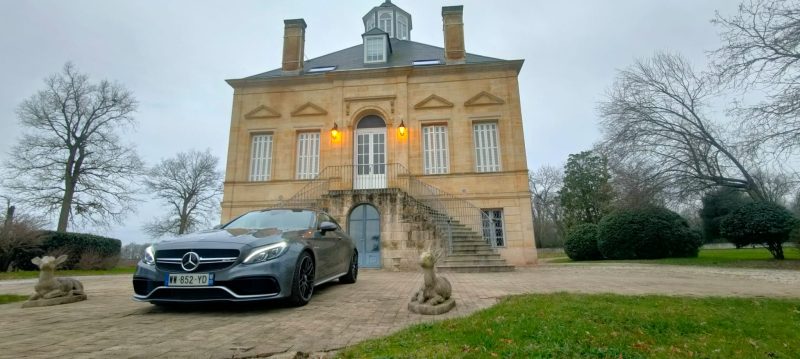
{"x": 445, "y": 211}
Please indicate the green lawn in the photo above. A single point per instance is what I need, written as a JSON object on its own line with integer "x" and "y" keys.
{"x": 739, "y": 258}
{"x": 11, "y": 298}
{"x": 606, "y": 326}
{"x": 67, "y": 273}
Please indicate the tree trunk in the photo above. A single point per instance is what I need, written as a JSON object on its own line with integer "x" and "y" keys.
{"x": 776, "y": 248}
{"x": 66, "y": 204}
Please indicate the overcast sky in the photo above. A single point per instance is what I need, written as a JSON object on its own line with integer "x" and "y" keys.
{"x": 175, "y": 56}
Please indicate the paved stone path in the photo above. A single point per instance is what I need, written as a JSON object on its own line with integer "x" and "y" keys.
{"x": 111, "y": 325}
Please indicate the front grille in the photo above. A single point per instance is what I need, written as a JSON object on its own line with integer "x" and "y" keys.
{"x": 205, "y": 253}
{"x": 203, "y": 267}
{"x": 251, "y": 285}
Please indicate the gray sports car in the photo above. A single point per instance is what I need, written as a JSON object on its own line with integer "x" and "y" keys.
{"x": 274, "y": 253}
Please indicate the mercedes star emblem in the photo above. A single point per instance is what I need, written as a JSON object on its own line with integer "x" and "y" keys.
{"x": 190, "y": 261}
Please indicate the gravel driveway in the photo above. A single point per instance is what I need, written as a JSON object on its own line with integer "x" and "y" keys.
{"x": 110, "y": 324}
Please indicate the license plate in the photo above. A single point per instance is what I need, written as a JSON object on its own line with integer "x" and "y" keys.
{"x": 189, "y": 280}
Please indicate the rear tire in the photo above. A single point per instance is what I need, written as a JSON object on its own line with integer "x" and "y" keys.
{"x": 352, "y": 272}
{"x": 303, "y": 282}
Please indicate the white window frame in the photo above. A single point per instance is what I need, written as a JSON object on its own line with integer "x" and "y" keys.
{"x": 402, "y": 27}
{"x": 307, "y": 155}
{"x": 261, "y": 157}
{"x": 369, "y": 43}
{"x": 496, "y": 217}
{"x": 487, "y": 147}
{"x": 435, "y": 150}
{"x": 390, "y": 23}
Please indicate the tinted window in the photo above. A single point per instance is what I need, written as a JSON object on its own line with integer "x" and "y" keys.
{"x": 283, "y": 219}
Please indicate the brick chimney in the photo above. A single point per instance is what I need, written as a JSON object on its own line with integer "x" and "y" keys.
{"x": 294, "y": 39}
{"x": 453, "y": 20}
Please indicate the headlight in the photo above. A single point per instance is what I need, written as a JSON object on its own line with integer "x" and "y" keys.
{"x": 266, "y": 253}
{"x": 149, "y": 255}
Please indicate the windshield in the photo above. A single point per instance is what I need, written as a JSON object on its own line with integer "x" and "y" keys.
{"x": 283, "y": 219}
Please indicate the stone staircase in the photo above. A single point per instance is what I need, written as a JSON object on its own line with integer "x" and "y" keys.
{"x": 471, "y": 254}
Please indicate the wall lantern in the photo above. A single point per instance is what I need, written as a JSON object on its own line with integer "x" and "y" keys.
{"x": 335, "y": 131}
{"x": 401, "y": 130}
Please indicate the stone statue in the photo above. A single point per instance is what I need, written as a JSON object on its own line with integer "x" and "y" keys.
{"x": 51, "y": 290}
{"x": 434, "y": 295}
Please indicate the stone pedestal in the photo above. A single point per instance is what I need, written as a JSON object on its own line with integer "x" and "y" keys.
{"x": 421, "y": 308}
{"x": 54, "y": 301}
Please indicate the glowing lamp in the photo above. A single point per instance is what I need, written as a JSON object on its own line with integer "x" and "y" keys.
{"x": 335, "y": 131}
{"x": 401, "y": 129}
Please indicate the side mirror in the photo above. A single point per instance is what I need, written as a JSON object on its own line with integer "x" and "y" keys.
{"x": 327, "y": 226}
{"x": 217, "y": 226}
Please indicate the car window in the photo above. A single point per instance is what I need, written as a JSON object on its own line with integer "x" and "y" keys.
{"x": 283, "y": 219}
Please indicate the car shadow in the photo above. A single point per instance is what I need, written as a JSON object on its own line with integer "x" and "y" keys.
{"x": 263, "y": 306}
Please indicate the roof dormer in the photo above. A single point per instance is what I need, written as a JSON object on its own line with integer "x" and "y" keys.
{"x": 377, "y": 47}
{"x": 390, "y": 19}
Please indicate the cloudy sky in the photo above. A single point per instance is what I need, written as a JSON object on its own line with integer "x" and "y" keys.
{"x": 175, "y": 56}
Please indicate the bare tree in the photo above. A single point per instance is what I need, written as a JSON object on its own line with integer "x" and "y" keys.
{"x": 19, "y": 236}
{"x": 548, "y": 222}
{"x": 761, "y": 48}
{"x": 656, "y": 112}
{"x": 70, "y": 159}
{"x": 637, "y": 183}
{"x": 190, "y": 184}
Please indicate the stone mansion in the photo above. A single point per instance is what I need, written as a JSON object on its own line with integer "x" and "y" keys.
{"x": 406, "y": 145}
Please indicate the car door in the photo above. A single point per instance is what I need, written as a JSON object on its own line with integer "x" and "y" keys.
{"x": 326, "y": 247}
{"x": 344, "y": 249}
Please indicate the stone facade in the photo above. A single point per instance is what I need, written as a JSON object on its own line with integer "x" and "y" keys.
{"x": 458, "y": 96}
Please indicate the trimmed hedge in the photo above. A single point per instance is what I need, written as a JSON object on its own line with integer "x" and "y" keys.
{"x": 646, "y": 233}
{"x": 78, "y": 245}
{"x": 581, "y": 243}
{"x": 759, "y": 223}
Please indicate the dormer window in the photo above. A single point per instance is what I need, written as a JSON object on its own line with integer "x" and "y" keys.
{"x": 385, "y": 22}
{"x": 375, "y": 49}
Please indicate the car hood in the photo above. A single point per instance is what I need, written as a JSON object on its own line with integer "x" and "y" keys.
{"x": 228, "y": 237}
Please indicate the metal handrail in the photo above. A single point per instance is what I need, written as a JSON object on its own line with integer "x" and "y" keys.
{"x": 444, "y": 210}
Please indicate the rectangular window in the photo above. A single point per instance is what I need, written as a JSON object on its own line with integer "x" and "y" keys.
{"x": 261, "y": 157}
{"x": 434, "y": 148}
{"x": 493, "y": 231}
{"x": 375, "y": 49}
{"x": 487, "y": 148}
{"x": 307, "y": 155}
{"x": 402, "y": 27}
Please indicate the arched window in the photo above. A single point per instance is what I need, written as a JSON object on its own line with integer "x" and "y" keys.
{"x": 385, "y": 22}
{"x": 371, "y": 121}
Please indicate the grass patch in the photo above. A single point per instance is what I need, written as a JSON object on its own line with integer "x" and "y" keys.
{"x": 576, "y": 326}
{"x": 11, "y": 298}
{"x": 758, "y": 258}
{"x": 551, "y": 253}
{"x": 741, "y": 258}
{"x": 68, "y": 273}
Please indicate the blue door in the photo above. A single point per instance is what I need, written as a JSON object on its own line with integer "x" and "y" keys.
{"x": 365, "y": 229}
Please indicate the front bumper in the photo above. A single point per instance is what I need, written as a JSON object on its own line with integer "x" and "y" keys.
{"x": 238, "y": 282}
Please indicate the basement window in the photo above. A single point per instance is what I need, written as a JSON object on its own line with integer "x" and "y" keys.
{"x": 322, "y": 69}
{"x": 425, "y": 62}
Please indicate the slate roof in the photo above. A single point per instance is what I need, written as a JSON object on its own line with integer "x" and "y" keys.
{"x": 352, "y": 58}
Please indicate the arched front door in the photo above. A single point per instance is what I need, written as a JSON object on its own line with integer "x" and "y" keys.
{"x": 365, "y": 229}
{"x": 370, "y": 153}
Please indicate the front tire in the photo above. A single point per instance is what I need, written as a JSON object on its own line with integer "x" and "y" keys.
{"x": 303, "y": 282}
{"x": 352, "y": 272}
